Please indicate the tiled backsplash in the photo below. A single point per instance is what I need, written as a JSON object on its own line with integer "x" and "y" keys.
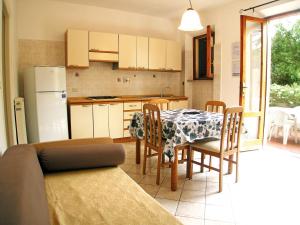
{"x": 99, "y": 78}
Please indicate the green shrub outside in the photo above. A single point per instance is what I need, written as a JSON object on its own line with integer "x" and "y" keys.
{"x": 285, "y": 95}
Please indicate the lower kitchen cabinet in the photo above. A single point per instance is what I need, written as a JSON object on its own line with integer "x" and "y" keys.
{"x": 82, "y": 121}
{"x": 101, "y": 120}
{"x": 116, "y": 120}
{"x": 178, "y": 104}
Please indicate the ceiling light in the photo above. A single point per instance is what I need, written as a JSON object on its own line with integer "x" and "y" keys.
{"x": 190, "y": 20}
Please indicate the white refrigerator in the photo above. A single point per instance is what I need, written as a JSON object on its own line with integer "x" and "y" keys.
{"x": 46, "y": 104}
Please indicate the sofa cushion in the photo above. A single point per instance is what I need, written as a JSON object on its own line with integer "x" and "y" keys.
{"x": 22, "y": 190}
{"x": 72, "y": 157}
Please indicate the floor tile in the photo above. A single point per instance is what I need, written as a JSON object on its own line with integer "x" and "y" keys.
{"x": 192, "y": 196}
{"x": 169, "y": 205}
{"x": 167, "y": 182}
{"x": 190, "y": 221}
{"x": 222, "y": 198}
{"x": 195, "y": 185}
{"x": 215, "y": 222}
{"x": 165, "y": 192}
{"x": 150, "y": 189}
{"x": 220, "y": 213}
{"x": 150, "y": 179}
{"x": 136, "y": 177}
{"x": 190, "y": 209}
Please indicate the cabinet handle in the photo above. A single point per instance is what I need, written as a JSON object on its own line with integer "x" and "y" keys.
{"x": 101, "y": 105}
{"x": 114, "y": 104}
{"x": 132, "y": 105}
{"x": 85, "y": 106}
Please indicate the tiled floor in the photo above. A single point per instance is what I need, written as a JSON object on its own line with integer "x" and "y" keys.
{"x": 268, "y": 191}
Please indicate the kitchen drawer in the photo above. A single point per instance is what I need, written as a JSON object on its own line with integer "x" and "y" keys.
{"x": 126, "y": 124}
{"x": 126, "y": 133}
{"x": 129, "y": 115}
{"x": 132, "y": 105}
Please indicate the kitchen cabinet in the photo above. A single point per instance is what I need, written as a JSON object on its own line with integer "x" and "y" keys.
{"x": 116, "y": 120}
{"x": 82, "y": 121}
{"x": 101, "y": 120}
{"x": 127, "y": 51}
{"x": 178, "y": 104}
{"x": 77, "y": 48}
{"x": 173, "y": 56}
{"x": 103, "y": 57}
{"x": 157, "y": 54}
{"x": 142, "y": 51}
{"x": 103, "y": 42}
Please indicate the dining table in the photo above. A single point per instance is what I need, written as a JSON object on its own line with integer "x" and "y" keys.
{"x": 179, "y": 127}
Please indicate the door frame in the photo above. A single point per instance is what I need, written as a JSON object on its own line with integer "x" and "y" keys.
{"x": 258, "y": 142}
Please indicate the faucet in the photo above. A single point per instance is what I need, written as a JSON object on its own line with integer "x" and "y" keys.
{"x": 162, "y": 91}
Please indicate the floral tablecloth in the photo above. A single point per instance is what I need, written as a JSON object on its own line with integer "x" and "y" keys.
{"x": 181, "y": 126}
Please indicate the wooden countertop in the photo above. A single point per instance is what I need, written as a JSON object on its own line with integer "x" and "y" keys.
{"x": 128, "y": 98}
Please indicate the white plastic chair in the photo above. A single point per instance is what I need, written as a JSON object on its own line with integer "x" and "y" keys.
{"x": 280, "y": 120}
{"x": 297, "y": 123}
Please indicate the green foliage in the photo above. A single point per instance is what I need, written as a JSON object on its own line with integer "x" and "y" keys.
{"x": 285, "y": 96}
{"x": 286, "y": 55}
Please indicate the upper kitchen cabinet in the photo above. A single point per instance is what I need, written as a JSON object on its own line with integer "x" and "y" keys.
{"x": 157, "y": 54}
{"x": 103, "y": 47}
{"x": 77, "y": 48}
{"x": 142, "y": 51}
{"x": 127, "y": 51}
{"x": 173, "y": 58}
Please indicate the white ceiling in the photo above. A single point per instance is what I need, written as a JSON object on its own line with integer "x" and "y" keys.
{"x": 159, "y": 8}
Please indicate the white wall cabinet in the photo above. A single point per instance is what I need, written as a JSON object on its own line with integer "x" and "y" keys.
{"x": 142, "y": 51}
{"x": 157, "y": 54}
{"x": 103, "y": 42}
{"x": 77, "y": 48}
{"x": 82, "y": 121}
{"x": 127, "y": 51}
{"x": 101, "y": 120}
{"x": 173, "y": 56}
{"x": 116, "y": 120}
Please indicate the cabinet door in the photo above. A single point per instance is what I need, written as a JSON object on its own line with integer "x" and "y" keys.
{"x": 81, "y": 121}
{"x": 173, "y": 56}
{"x": 101, "y": 127}
{"x": 157, "y": 54}
{"x": 142, "y": 58}
{"x": 103, "y": 42}
{"x": 77, "y": 48}
{"x": 127, "y": 51}
{"x": 178, "y": 104}
{"x": 116, "y": 120}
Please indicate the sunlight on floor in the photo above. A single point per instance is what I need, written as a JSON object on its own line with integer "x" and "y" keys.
{"x": 267, "y": 193}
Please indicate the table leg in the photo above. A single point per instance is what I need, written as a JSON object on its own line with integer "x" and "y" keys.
{"x": 230, "y": 164}
{"x": 138, "y": 151}
{"x": 174, "y": 172}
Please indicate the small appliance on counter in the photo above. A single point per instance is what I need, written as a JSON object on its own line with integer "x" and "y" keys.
{"x": 20, "y": 121}
{"x": 46, "y": 104}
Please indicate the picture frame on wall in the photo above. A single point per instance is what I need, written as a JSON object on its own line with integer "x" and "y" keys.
{"x": 236, "y": 58}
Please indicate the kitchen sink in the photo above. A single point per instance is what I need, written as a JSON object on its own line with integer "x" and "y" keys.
{"x": 101, "y": 97}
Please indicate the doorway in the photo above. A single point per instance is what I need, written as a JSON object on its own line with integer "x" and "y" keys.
{"x": 283, "y": 114}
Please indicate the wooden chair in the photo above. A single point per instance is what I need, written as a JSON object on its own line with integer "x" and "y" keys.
{"x": 153, "y": 137}
{"x": 228, "y": 146}
{"x": 215, "y": 106}
{"x": 160, "y": 102}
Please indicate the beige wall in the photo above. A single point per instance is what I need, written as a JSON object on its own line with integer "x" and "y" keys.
{"x": 226, "y": 23}
{"x": 10, "y": 72}
{"x": 100, "y": 78}
{"x": 41, "y": 28}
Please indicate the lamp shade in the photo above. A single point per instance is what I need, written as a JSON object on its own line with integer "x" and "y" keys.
{"x": 190, "y": 21}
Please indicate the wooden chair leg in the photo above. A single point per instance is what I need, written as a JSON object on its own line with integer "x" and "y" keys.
{"x": 189, "y": 164}
{"x": 230, "y": 159}
{"x": 145, "y": 160}
{"x": 163, "y": 158}
{"x": 221, "y": 174}
{"x": 237, "y": 167}
{"x": 158, "y": 167}
{"x": 209, "y": 163}
{"x": 174, "y": 172}
{"x": 202, "y": 162}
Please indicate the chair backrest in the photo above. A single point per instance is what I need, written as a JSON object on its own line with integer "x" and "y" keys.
{"x": 163, "y": 104}
{"x": 152, "y": 125}
{"x": 231, "y": 129}
{"x": 279, "y": 117}
{"x": 215, "y": 106}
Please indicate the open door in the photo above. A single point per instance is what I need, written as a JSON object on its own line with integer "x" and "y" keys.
{"x": 253, "y": 80}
